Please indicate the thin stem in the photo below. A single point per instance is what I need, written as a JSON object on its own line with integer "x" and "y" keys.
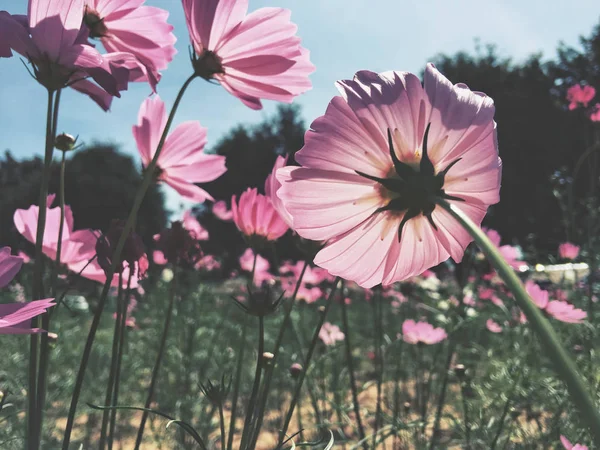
{"x": 311, "y": 349}
{"x": 122, "y": 333}
{"x": 465, "y": 406}
{"x": 148, "y": 177}
{"x": 112, "y": 372}
{"x": 222, "y": 424}
{"x": 563, "y": 364}
{"x": 159, "y": 357}
{"x": 33, "y": 411}
{"x": 247, "y": 432}
{"x": 350, "y": 363}
{"x": 236, "y": 388}
{"x": 442, "y": 398}
{"x": 269, "y": 374}
{"x": 378, "y": 325}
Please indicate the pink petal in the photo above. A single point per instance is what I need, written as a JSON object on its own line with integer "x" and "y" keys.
{"x": 9, "y": 266}
{"x": 188, "y": 190}
{"x": 96, "y": 93}
{"x": 152, "y": 118}
{"x": 55, "y": 24}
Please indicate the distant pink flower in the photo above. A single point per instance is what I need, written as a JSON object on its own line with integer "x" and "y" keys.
{"x": 209, "y": 263}
{"x": 330, "y": 334}
{"x": 565, "y": 312}
{"x": 191, "y": 224}
{"x": 255, "y": 56}
{"x": 537, "y": 294}
{"x": 52, "y": 41}
{"x": 182, "y": 161}
{"x": 421, "y": 332}
{"x": 272, "y": 185}
{"x": 24, "y": 256}
{"x": 254, "y": 215}
{"x": 78, "y": 250}
{"x": 493, "y": 326}
{"x": 579, "y": 95}
{"x": 220, "y": 210}
{"x": 368, "y": 163}
{"x": 9, "y": 266}
{"x": 15, "y": 318}
{"x": 568, "y": 446}
{"x": 560, "y": 310}
{"x": 128, "y": 26}
{"x": 595, "y": 113}
{"x": 510, "y": 254}
{"x": 567, "y": 250}
{"x": 261, "y": 271}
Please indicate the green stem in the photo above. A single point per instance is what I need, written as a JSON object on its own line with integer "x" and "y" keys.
{"x": 148, "y": 178}
{"x": 222, "y": 425}
{"x": 122, "y": 332}
{"x": 236, "y": 388}
{"x": 563, "y": 364}
{"x": 33, "y": 411}
{"x": 378, "y": 325}
{"x": 350, "y": 363}
{"x": 311, "y": 349}
{"x": 269, "y": 374}
{"x": 159, "y": 357}
{"x": 247, "y": 432}
{"x": 112, "y": 372}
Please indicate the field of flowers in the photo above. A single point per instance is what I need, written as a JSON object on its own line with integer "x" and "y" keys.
{"x": 403, "y": 324}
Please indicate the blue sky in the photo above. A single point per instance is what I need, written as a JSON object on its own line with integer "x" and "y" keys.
{"x": 343, "y": 36}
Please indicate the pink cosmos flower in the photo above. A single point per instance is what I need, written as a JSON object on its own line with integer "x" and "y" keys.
{"x": 159, "y": 257}
{"x": 220, "y": 210}
{"x": 24, "y": 256}
{"x": 78, "y": 250}
{"x": 191, "y": 224}
{"x": 492, "y": 326}
{"x": 308, "y": 290}
{"x": 128, "y": 26}
{"x": 568, "y": 446}
{"x": 560, "y": 310}
{"x": 261, "y": 271}
{"x": 374, "y": 165}
{"x": 51, "y": 39}
{"x": 9, "y": 266}
{"x": 421, "y": 332}
{"x": 579, "y": 95}
{"x": 182, "y": 161}
{"x": 567, "y": 250}
{"x": 330, "y": 334}
{"x": 565, "y": 312}
{"x": 254, "y": 215}
{"x": 510, "y": 254}
{"x": 208, "y": 263}
{"x": 15, "y": 317}
{"x": 255, "y": 56}
{"x": 272, "y": 185}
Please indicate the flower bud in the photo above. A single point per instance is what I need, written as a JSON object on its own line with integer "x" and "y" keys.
{"x": 267, "y": 357}
{"x": 65, "y": 142}
{"x": 261, "y": 301}
{"x": 460, "y": 371}
{"x": 295, "y": 370}
{"x": 179, "y": 246}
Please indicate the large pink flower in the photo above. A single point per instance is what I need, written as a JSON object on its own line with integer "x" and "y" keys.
{"x": 579, "y": 95}
{"x": 128, "y": 26}
{"x": 255, "y": 56}
{"x": 9, "y": 266}
{"x": 560, "y": 310}
{"x": 254, "y": 215}
{"x": 182, "y": 161}
{"x": 56, "y": 48}
{"x": 422, "y": 332}
{"x": 15, "y": 317}
{"x": 374, "y": 165}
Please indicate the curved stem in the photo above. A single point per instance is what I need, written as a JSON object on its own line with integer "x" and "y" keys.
{"x": 222, "y": 425}
{"x": 159, "y": 357}
{"x": 269, "y": 374}
{"x": 311, "y": 349}
{"x": 563, "y": 363}
{"x": 148, "y": 177}
{"x": 350, "y": 363}
{"x": 247, "y": 432}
